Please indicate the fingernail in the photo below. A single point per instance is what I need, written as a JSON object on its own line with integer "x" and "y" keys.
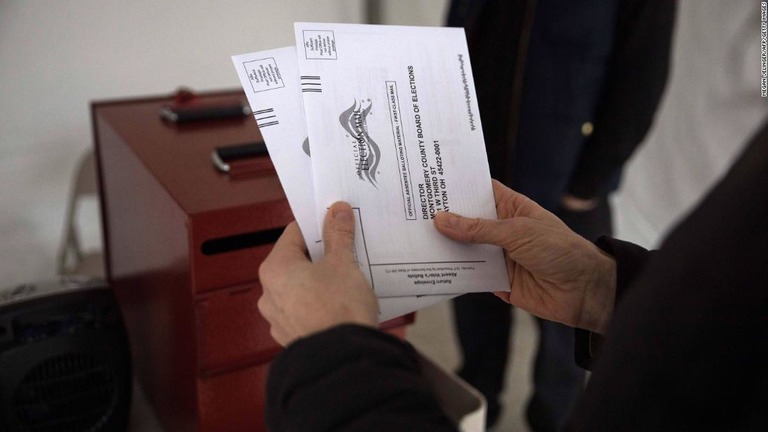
{"x": 342, "y": 212}
{"x": 447, "y": 219}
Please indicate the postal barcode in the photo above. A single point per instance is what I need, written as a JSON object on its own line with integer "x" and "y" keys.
{"x": 265, "y": 117}
{"x": 311, "y": 84}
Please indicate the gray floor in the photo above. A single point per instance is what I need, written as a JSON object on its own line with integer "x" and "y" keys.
{"x": 433, "y": 335}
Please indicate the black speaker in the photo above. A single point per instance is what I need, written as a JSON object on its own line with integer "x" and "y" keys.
{"x": 64, "y": 358}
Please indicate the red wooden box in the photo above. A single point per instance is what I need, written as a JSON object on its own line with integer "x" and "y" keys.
{"x": 200, "y": 348}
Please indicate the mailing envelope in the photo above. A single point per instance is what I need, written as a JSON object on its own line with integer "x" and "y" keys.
{"x": 270, "y": 80}
{"x": 394, "y": 129}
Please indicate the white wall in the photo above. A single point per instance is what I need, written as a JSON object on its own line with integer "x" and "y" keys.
{"x": 711, "y": 108}
{"x": 56, "y": 56}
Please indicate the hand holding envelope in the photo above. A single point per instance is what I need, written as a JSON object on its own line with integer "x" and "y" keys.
{"x": 384, "y": 118}
{"x": 294, "y": 306}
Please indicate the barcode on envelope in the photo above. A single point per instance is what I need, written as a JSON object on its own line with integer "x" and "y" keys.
{"x": 311, "y": 84}
{"x": 265, "y": 118}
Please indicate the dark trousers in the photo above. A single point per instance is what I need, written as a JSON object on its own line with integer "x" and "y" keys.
{"x": 483, "y": 323}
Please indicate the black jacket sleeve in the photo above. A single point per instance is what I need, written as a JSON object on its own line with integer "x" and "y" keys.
{"x": 637, "y": 75}
{"x": 351, "y": 378}
{"x": 630, "y": 259}
{"x": 687, "y": 348}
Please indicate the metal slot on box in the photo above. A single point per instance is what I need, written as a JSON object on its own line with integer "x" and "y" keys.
{"x": 228, "y": 253}
{"x": 240, "y": 241}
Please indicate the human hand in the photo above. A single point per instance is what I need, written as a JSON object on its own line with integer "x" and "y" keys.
{"x": 301, "y": 297}
{"x": 554, "y": 273}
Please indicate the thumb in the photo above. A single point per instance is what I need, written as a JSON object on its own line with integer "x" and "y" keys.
{"x": 339, "y": 232}
{"x": 499, "y": 232}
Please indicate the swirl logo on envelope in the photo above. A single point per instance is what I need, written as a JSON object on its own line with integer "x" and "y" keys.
{"x": 367, "y": 154}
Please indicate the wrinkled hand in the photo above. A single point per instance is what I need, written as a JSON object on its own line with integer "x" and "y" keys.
{"x": 301, "y": 297}
{"x": 554, "y": 273}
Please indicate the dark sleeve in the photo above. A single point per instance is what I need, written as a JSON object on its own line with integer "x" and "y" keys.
{"x": 636, "y": 78}
{"x": 630, "y": 261}
{"x": 687, "y": 348}
{"x": 351, "y": 378}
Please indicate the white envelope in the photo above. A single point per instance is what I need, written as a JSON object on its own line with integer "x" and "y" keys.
{"x": 394, "y": 129}
{"x": 270, "y": 80}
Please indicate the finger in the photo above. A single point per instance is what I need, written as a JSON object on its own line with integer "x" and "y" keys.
{"x": 339, "y": 232}
{"x": 501, "y": 232}
{"x": 291, "y": 242}
{"x": 265, "y": 307}
{"x": 504, "y": 295}
{"x": 510, "y": 202}
{"x": 270, "y": 313}
{"x": 499, "y": 190}
{"x": 289, "y": 249}
{"x": 504, "y": 193}
{"x": 280, "y": 335}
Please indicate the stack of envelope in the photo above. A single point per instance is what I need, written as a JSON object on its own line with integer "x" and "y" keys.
{"x": 385, "y": 118}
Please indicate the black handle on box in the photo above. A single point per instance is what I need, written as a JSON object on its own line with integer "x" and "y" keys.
{"x": 223, "y": 157}
{"x": 191, "y": 114}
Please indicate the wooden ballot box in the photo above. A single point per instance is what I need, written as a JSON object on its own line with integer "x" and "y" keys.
{"x": 183, "y": 244}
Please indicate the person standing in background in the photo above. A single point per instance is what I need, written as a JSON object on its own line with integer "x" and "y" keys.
{"x": 567, "y": 91}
